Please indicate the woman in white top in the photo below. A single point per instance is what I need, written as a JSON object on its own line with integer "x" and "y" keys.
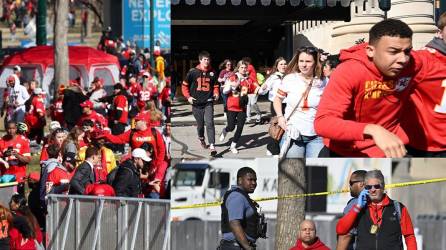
{"x": 274, "y": 80}
{"x": 302, "y": 86}
{"x": 271, "y": 85}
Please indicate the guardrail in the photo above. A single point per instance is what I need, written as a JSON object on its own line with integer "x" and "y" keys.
{"x": 92, "y": 222}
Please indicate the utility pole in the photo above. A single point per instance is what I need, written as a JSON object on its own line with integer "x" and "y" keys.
{"x": 152, "y": 33}
{"x": 41, "y": 23}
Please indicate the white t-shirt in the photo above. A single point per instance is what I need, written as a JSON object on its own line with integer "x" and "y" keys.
{"x": 18, "y": 95}
{"x": 293, "y": 87}
{"x": 272, "y": 84}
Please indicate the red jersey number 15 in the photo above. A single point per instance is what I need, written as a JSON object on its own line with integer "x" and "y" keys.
{"x": 204, "y": 84}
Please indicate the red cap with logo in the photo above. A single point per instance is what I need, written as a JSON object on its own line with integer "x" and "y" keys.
{"x": 87, "y": 103}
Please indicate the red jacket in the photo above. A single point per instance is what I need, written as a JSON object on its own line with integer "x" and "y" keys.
{"x": 138, "y": 138}
{"x": 348, "y": 221}
{"x": 246, "y": 84}
{"x": 317, "y": 245}
{"x": 356, "y": 98}
{"x": 35, "y": 112}
{"x": 424, "y": 118}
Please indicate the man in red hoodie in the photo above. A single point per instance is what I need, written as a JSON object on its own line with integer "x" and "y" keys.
{"x": 380, "y": 221}
{"x": 359, "y": 112}
{"x": 307, "y": 239}
{"x": 201, "y": 90}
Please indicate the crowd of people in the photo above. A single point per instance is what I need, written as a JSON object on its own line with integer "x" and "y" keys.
{"x": 87, "y": 141}
{"x": 384, "y": 99}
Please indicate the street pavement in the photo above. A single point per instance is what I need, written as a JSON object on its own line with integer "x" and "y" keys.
{"x": 185, "y": 143}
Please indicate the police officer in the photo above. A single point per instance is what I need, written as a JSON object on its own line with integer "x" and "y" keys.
{"x": 356, "y": 183}
{"x": 241, "y": 223}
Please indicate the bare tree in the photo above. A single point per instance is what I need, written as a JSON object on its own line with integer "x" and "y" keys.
{"x": 290, "y": 212}
{"x": 61, "y": 68}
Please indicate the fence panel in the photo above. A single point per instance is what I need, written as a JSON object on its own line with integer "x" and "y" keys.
{"x": 95, "y": 223}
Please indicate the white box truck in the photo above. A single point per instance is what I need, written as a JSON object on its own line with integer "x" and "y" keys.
{"x": 206, "y": 181}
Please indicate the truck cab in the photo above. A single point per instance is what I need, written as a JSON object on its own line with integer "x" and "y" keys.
{"x": 207, "y": 181}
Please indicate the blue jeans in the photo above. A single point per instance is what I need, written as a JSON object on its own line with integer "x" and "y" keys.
{"x": 305, "y": 147}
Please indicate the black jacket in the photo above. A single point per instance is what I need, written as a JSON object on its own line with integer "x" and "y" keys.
{"x": 84, "y": 175}
{"x": 72, "y": 99}
{"x": 127, "y": 182}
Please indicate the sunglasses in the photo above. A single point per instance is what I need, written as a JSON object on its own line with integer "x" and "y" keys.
{"x": 309, "y": 50}
{"x": 376, "y": 186}
{"x": 353, "y": 182}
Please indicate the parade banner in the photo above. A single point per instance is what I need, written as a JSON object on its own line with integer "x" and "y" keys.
{"x": 136, "y": 23}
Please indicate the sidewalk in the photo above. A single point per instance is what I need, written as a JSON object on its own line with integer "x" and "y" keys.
{"x": 182, "y": 112}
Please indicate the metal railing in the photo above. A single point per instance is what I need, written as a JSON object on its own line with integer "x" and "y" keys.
{"x": 92, "y": 222}
{"x": 6, "y": 191}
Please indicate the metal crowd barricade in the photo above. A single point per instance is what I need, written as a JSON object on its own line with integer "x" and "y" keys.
{"x": 6, "y": 191}
{"x": 92, "y": 222}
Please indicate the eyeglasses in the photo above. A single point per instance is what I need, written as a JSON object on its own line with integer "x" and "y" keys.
{"x": 353, "y": 182}
{"x": 376, "y": 186}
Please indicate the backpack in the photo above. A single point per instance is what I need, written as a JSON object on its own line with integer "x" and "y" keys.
{"x": 112, "y": 175}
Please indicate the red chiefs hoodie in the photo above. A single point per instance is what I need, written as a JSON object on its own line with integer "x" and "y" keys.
{"x": 357, "y": 95}
{"x": 317, "y": 245}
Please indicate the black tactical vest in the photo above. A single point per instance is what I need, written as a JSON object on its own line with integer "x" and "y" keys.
{"x": 388, "y": 236}
{"x": 250, "y": 224}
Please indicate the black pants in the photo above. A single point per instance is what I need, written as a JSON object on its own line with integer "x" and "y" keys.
{"x": 413, "y": 152}
{"x": 117, "y": 129}
{"x": 230, "y": 245}
{"x": 236, "y": 118}
{"x": 36, "y": 134}
{"x": 204, "y": 115}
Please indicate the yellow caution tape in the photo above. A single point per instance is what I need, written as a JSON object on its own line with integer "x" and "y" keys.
{"x": 8, "y": 184}
{"x": 294, "y": 196}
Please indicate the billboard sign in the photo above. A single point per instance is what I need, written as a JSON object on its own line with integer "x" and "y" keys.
{"x": 136, "y": 22}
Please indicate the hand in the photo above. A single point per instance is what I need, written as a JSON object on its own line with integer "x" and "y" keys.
{"x": 388, "y": 142}
{"x": 282, "y": 122}
{"x": 156, "y": 185}
{"x": 191, "y": 100}
{"x": 216, "y": 97}
{"x": 142, "y": 175}
{"x": 362, "y": 198}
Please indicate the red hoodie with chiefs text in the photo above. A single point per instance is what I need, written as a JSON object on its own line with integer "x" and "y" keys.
{"x": 357, "y": 95}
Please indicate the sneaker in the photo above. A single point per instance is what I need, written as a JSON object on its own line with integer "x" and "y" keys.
{"x": 234, "y": 150}
{"x": 223, "y": 135}
{"x": 258, "y": 119}
{"x": 203, "y": 143}
{"x": 213, "y": 151}
{"x": 248, "y": 119}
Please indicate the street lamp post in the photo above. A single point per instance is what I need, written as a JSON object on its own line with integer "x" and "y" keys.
{"x": 152, "y": 33}
{"x": 41, "y": 23}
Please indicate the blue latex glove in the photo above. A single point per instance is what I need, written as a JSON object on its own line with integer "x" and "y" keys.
{"x": 362, "y": 198}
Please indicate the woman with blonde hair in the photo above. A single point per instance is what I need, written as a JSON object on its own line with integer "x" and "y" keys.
{"x": 237, "y": 87}
{"x": 302, "y": 87}
{"x": 74, "y": 141}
